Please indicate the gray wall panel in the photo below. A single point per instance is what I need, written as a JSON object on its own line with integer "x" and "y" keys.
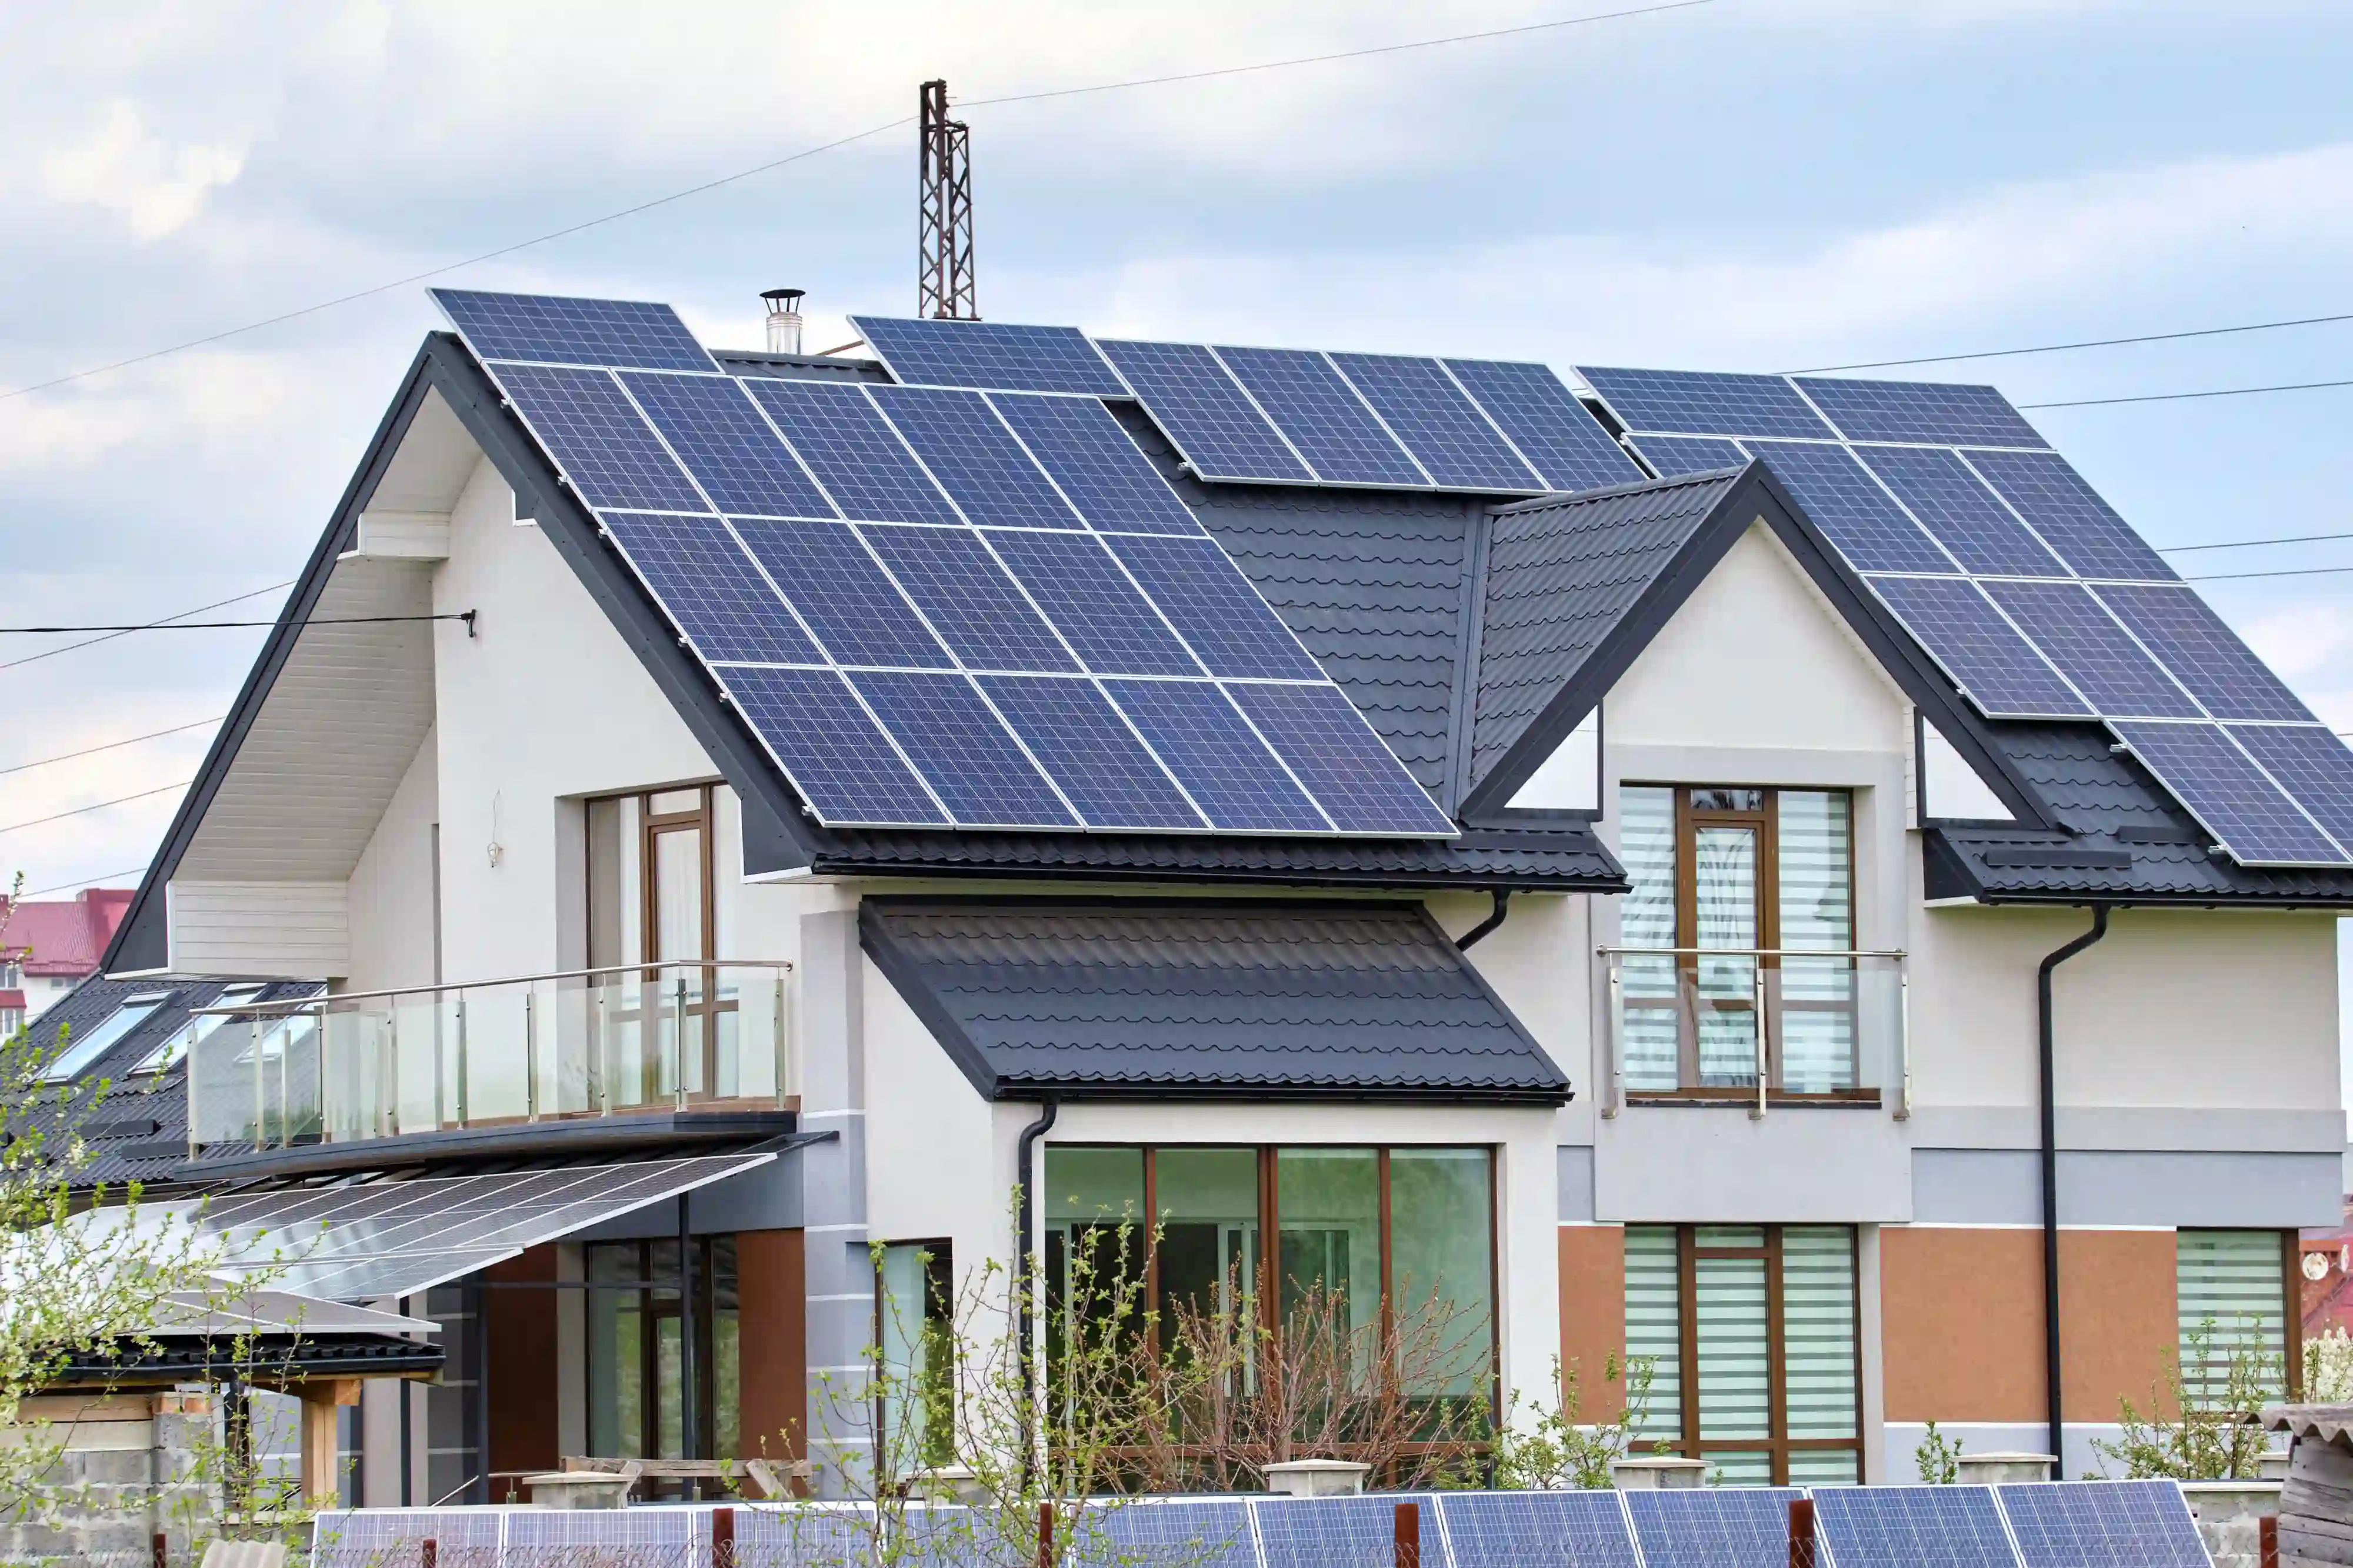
{"x": 1576, "y": 1184}
{"x": 2125, "y": 1187}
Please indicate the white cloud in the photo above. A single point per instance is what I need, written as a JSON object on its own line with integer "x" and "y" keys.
{"x": 157, "y": 186}
{"x": 2300, "y": 639}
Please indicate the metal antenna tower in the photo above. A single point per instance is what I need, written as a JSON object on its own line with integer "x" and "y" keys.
{"x": 945, "y": 271}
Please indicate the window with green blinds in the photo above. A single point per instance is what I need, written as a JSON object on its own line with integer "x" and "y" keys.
{"x": 2231, "y": 1289}
{"x": 1765, "y": 1318}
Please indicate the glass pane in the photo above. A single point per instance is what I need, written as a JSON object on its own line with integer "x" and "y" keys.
{"x": 667, "y": 1385}
{"x": 1095, "y": 1236}
{"x": 1814, "y": 846}
{"x": 1725, "y": 862}
{"x": 606, "y": 899}
{"x": 678, "y": 894}
{"x": 1441, "y": 1264}
{"x": 1329, "y": 1204}
{"x": 1209, "y": 1227}
{"x": 1653, "y": 1328}
{"x": 2231, "y": 1290}
{"x": 1735, "y": 1386}
{"x": 615, "y": 1355}
{"x": 1647, "y": 1032}
{"x": 674, "y": 801}
{"x": 1825, "y": 1468}
{"x": 726, "y": 1349}
{"x": 1722, "y": 798}
{"x": 1818, "y": 1331}
{"x": 1752, "y": 1468}
{"x": 1093, "y": 1183}
{"x": 910, "y": 1311}
{"x": 1713, "y": 1236}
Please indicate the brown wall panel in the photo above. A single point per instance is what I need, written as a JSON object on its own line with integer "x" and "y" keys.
{"x": 1592, "y": 1315}
{"x": 523, "y": 1370}
{"x": 2118, "y": 1323}
{"x": 770, "y": 1286}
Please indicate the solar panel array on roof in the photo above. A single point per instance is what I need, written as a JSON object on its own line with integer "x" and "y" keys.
{"x": 927, "y": 601}
{"x": 2033, "y": 594}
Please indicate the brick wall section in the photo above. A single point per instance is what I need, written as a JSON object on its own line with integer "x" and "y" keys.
{"x": 1592, "y": 1315}
{"x": 524, "y": 1373}
{"x": 770, "y": 1290}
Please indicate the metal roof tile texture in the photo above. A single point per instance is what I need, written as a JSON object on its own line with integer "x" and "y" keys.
{"x": 1345, "y": 998}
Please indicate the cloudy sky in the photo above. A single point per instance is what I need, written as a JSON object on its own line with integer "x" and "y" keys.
{"x": 1752, "y": 185}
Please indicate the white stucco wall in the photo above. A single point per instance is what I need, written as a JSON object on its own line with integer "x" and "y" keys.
{"x": 391, "y": 894}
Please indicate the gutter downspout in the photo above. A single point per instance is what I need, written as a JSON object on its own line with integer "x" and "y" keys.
{"x": 2051, "y": 1359}
{"x": 1025, "y": 1211}
{"x": 1502, "y": 897}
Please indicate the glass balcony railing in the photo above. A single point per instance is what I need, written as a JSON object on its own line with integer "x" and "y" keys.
{"x": 1755, "y": 1026}
{"x": 539, "y": 1048}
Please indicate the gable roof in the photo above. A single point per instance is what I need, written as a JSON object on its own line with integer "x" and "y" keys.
{"x": 1201, "y": 1000}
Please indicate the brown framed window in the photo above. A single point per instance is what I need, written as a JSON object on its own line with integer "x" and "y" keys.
{"x": 653, "y": 929}
{"x": 1753, "y": 1337}
{"x": 2239, "y": 1310}
{"x": 635, "y": 1407}
{"x": 1736, "y": 891}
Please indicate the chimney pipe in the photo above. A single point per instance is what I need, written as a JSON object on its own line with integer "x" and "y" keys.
{"x": 784, "y": 319}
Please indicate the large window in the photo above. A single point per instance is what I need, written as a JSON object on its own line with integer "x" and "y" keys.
{"x": 914, "y": 1327}
{"x": 1735, "y": 888}
{"x": 2239, "y": 1310}
{"x": 636, "y": 1361}
{"x": 1751, "y": 1331}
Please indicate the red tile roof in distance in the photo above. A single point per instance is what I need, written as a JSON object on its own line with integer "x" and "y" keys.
{"x": 67, "y": 936}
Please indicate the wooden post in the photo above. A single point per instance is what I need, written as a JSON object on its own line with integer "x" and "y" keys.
{"x": 429, "y": 1554}
{"x": 1045, "y": 1535}
{"x": 1408, "y": 1535}
{"x": 163, "y": 1547}
{"x": 2267, "y": 1536}
{"x": 1801, "y": 1532}
{"x": 322, "y": 1447}
{"x": 723, "y": 1538}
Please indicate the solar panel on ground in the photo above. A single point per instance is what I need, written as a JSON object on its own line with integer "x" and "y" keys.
{"x": 571, "y": 1538}
{"x": 974, "y": 765}
{"x": 1936, "y": 412}
{"x": 805, "y": 1535}
{"x": 1227, "y": 770}
{"x": 1902, "y": 1527}
{"x": 995, "y": 355}
{"x": 2311, "y": 765}
{"x": 1215, "y": 427}
{"x": 395, "y": 1537}
{"x": 1712, "y": 1527}
{"x": 1317, "y": 730}
{"x": 1538, "y": 1529}
{"x": 607, "y": 451}
{"x": 2079, "y": 636}
{"x": 1342, "y": 1532}
{"x": 1071, "y": 727}
{"x": 2069, "y": 515}
{"x": 1214, "y": 608}
{"x": 543, "y": 329}
{"x": 971, "y": 601}
{"x": 2207, "y": 657}
{"x": 2102, "y": 1524}
{"x": 859, "y": 460}
{"x": 1552, "y": 430}
{"x": 856, "y": 613}
{"x": 1870, "y": 529}
{"x": 2000, "y": 671}
{"x": 1181, "y": 1533}
{"x": 703, "y": 579}
{"x": 1113, "y": 628}
{"x": 2228, "y": 794}
{"x": 1325, "y": 419}
{"x": 1429, "y": 413}
{"x": 975, "y": 457}
{"x": 1700, "y": 403}
{"x": 1096, "y": 464}
{"x": 1674, "y": 456}
{"x": 713, "y": 427}
{"x": 1966, "y": 517}
{"x": 830, "y": 746}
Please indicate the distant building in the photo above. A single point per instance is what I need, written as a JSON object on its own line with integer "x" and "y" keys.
{"x": 47, "y": 949}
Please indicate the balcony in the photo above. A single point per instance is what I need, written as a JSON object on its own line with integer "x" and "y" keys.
{"x": 576, "y": 1045}
{"x": 1755, "y": 1026}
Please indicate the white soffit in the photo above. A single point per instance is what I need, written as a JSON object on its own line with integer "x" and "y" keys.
{"x": 1570, "y": 779}
{"x": 1952, "y": 789}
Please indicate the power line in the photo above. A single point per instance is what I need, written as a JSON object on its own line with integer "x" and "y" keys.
{"x": 2288, "y": 571}
{"x": 837, "y": 143}
{"x": 86, "y": 881}
{"x": 2179, "y": 396}
{"x": 2085, "y": 343}
{"x": 200, "y": 610}
{"x": 110, "y": 746}
{"x": 464, "y": 616}
{"x": 2252, "y": 543}
{"x": 101, "y": 805}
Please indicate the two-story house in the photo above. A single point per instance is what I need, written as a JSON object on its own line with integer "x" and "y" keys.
{"x": 1766, "y": 875}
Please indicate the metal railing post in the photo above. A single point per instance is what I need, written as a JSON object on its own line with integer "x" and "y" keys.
{"x": 463, "y": 1074}
{"x": 1756, "y": 993}
{"x": 782, "y": 1034}
{"x": 530, "y": 1055}
{"x": 1613, "y": 1073}
{"x": 677, "y": 1036}
{"x": 1903, "y": 1041}
{"x": 260, "y": 1092}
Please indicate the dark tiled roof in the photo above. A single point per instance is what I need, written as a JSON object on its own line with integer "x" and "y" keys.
{"x": 2131, "y": 842}
{"x": 1183, "y": 1001}
{"x": 1561, "y": 571}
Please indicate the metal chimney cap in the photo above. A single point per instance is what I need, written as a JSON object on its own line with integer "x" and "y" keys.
{"x": 784, "y": 298}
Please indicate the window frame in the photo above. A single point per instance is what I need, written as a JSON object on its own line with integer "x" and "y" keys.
{"x": 78, "y": 1055}
{"x": 651, "y": 826}
{"x": 2291, "y": 1299}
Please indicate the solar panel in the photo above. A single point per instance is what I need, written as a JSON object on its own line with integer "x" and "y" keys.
{"x": 1557, "y": 435}
{"x": 857, "y": 456}
{"x": 1966, "y": 519}
{"x": 2077, "y": 633}
{"x": 1706, "y": 403}
{"x": 1325, "y": 419}
{"x": 1225, "y": 767}
{"x": 1430, "y": 414}
{"x": 996, "y": 355}
{"x": 395, "y": 1537}
{"x": 2312, "y": 766}
{"x": 1900, "y": 1527}
{"x": 1071, "y": 727}
{"x": 1213, "y": 607}
{"x": 972, "y": 602}
{"x": 2102, "y": 1524}
{"x": 1868, "y": 528}
{"x": 1212, "y": 1534}
{"x": 2000, "y": 671}
{"x": 1538, "y": 1529}
{"x": 853, "y": 609}
{"x": 2069, "y": 515}
{"x": 831, "y": 747}
{"x": 714, "y": 430}
{"x": 1318, "y": 732}
{"x": 2205, "y": 655}
{"x": 1096, "y": 464}
{"x": 545, "y": 330}
{"x": 1204, "y": 411}
{"x": 570, "y": 1538}
{"x": 1674, "y": 456}
{"x": 1341, "y": 1531}
{"x": 705, "y": 582}
{"x": 1113, "y": 628}
{"x": 805, "y": 1535}
{"x": 1714, "y": 1526}
{"x": 974, "y": 765}
{"x": 975, "y": 457}
{"x": 2228, "y": 794}
{"x": 1932, "y": 412}
{"x": 606, "y": 450}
